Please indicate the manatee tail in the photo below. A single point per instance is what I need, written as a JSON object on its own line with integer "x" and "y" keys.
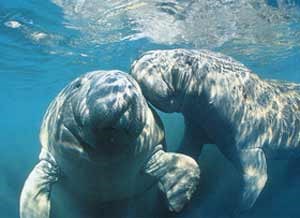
{"x": 35, "y": 196}
{"x": 178, "y": 177}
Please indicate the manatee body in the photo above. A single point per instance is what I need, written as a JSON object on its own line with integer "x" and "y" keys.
{"x": 102, "y": 143}
{"x": 249, "y": 119}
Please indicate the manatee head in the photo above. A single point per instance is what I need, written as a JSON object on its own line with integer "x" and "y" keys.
{"x": 99, "y": 114}
{"x": 164, "y": 77}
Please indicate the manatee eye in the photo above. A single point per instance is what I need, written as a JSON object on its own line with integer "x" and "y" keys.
{"x": 77, "y": 84}
{"x": 109, "y": 129}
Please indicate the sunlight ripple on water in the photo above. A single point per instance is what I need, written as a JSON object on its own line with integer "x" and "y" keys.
{"x": 237, "y": 23}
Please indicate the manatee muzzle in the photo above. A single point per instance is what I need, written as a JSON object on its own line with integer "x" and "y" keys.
{"x": 113, "y": 115}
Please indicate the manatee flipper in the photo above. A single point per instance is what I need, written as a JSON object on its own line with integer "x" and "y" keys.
{"x": 253, "y": 166}
{"x": 178, "y": 176}
{"x": 35, "y": 197}
{"x": 193, "y": 140}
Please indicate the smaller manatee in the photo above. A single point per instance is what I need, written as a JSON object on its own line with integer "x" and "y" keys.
{"x": 249, "y": 119}
{"x": 101, "y": 142}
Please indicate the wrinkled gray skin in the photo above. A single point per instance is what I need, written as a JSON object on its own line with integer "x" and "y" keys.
{"x": 224, "y": 103}
{"x": 101, "y": 142}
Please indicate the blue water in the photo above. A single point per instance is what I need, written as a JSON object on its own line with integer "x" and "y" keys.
{"x": 45, "y": 44}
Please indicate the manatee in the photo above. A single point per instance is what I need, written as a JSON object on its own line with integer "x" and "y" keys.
{"x": 248, "y": 118}
{"x": 100, "y": 143}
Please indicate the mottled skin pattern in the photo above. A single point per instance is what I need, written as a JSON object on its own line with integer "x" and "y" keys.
{"x": 101, "y": 142}
{"x": 224, "y": 103}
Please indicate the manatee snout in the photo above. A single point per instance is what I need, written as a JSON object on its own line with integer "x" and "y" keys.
{"x": 157, "y": 80}
{"x": 108, "y": 112}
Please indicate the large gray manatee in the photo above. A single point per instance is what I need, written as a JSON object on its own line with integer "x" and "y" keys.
{"x": 101, "y": 142}
{"x": 224, "y": 103}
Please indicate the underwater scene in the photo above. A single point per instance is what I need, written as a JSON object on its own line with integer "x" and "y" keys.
{"x": 45, "y": 45}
